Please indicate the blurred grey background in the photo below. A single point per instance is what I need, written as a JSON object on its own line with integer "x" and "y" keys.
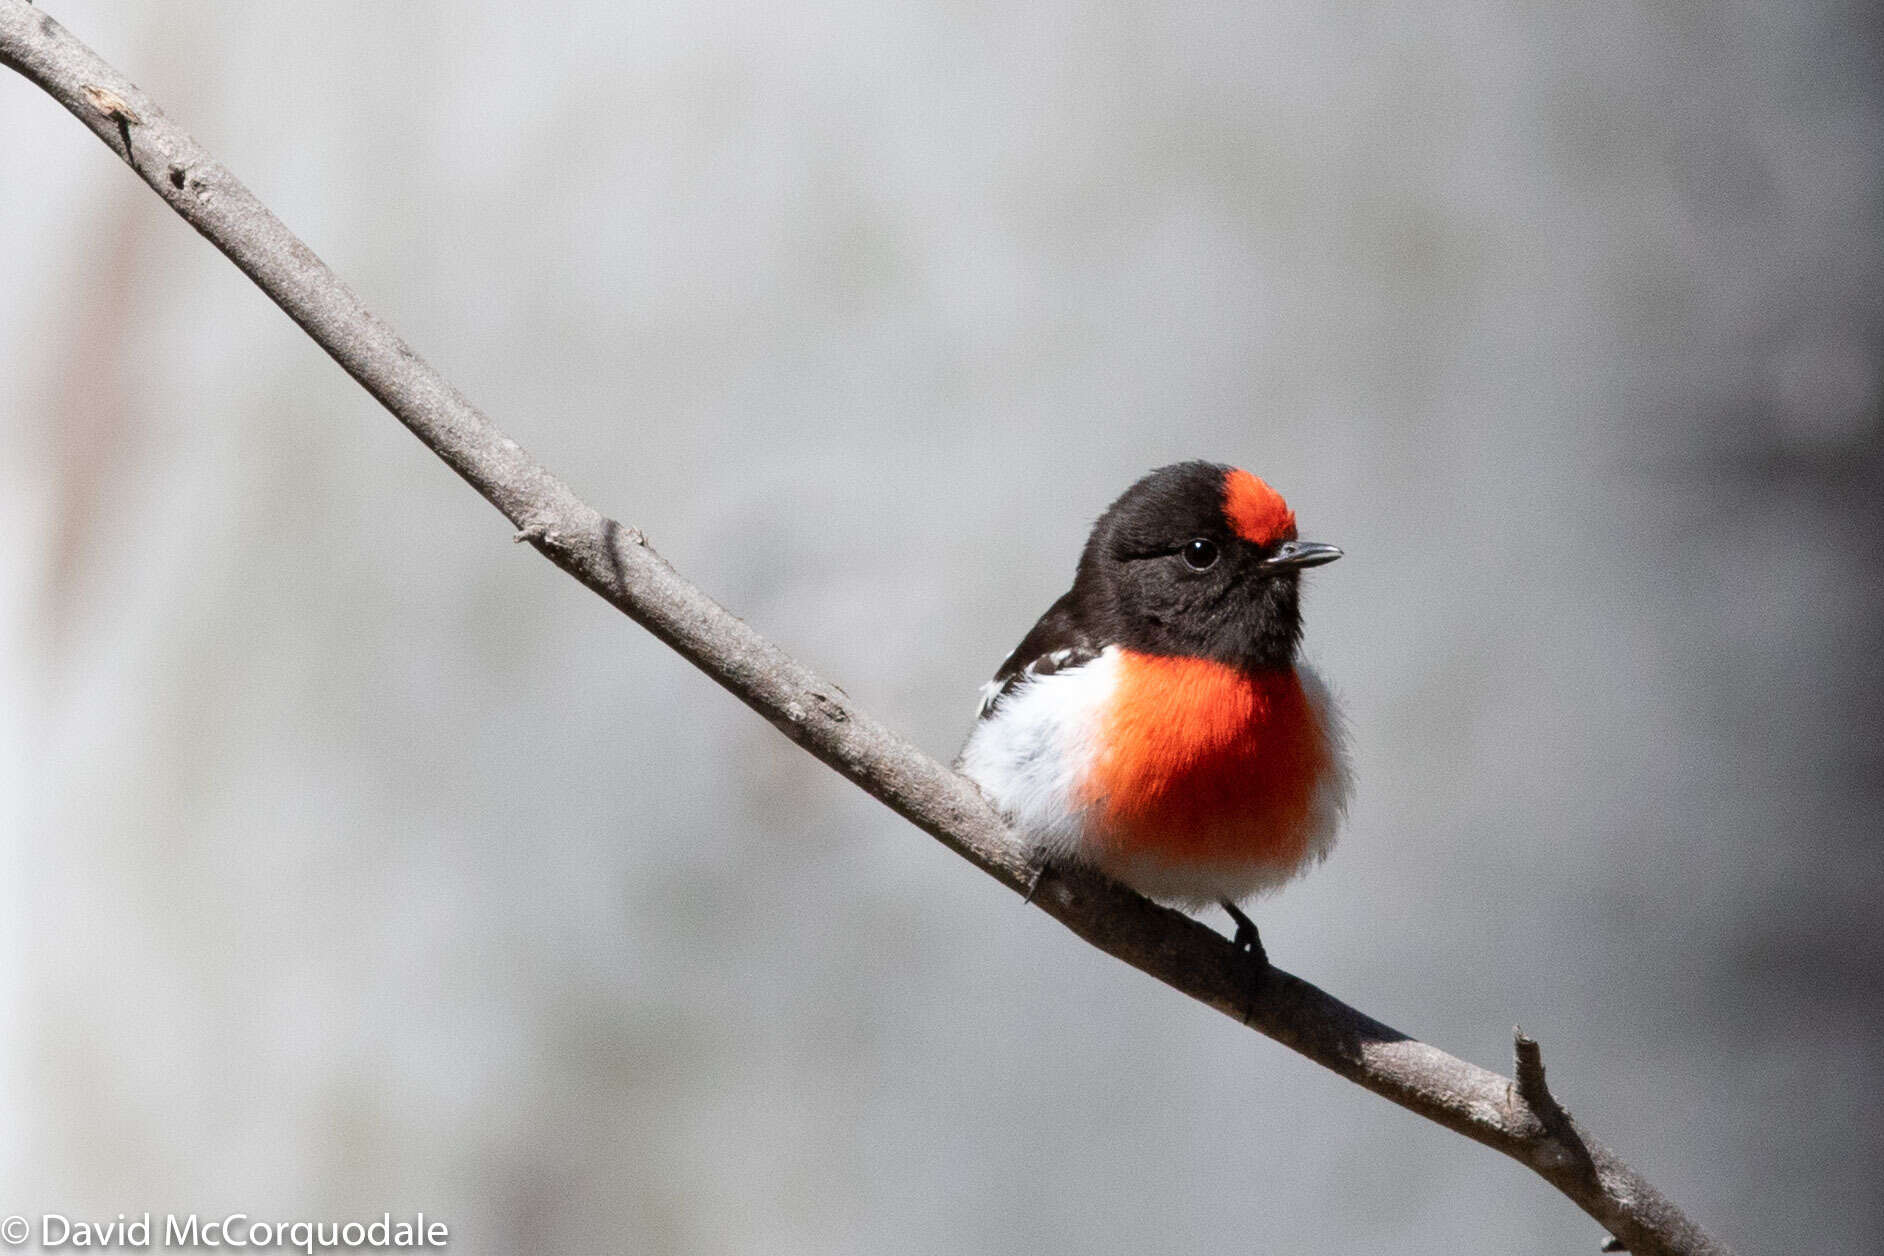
{"x": 355, "y": 859}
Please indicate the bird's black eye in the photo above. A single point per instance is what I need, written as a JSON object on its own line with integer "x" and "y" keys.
{"x": 1200, "y": 555}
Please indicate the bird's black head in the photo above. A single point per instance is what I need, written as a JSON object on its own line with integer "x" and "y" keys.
{"x": 1198, "y": 559}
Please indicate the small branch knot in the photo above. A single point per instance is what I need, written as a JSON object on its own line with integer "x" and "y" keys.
{"x": 112, "y": 105}
{"x": 109, "y": 103}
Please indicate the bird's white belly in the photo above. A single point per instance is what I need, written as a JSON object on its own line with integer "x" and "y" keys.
{"x": 1030, "y": 757}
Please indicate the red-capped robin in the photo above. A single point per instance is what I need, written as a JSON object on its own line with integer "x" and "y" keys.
{"x": 1157, "y": 723}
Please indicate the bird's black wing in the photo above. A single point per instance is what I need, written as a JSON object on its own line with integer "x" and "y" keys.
{"x": 1059, "y": 641}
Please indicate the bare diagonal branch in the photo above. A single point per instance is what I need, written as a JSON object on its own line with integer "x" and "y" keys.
{"x": 1518, "y": 1118}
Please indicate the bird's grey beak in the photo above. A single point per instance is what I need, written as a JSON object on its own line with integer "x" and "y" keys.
{"x": 1295, "y": 555}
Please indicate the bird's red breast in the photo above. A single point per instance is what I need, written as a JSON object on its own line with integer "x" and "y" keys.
{"x": 1200, "y": 761}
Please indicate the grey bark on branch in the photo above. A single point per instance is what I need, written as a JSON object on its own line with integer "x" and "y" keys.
{"x": 1518, "y": 1118}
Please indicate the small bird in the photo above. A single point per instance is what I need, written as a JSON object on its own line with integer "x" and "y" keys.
{"x": 1157, "y": 723}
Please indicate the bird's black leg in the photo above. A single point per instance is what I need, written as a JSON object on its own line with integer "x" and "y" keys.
{"x": 1247, "y": 939}
{"x": 1250, "y": 942}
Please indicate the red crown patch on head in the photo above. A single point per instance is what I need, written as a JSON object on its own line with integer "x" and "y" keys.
{"x": 1256, "y": 512}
